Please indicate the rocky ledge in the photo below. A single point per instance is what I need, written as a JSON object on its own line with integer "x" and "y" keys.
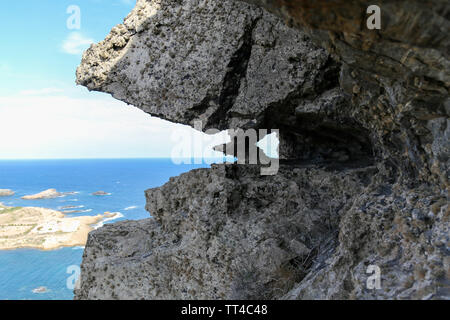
{"x": 364, "y": 150}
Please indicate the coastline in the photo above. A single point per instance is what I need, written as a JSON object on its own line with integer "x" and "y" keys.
{"x": 27, "y": 267}
{"x": 45, "y": 229}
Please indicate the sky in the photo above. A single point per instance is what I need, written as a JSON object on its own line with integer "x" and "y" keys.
{"x": 43, "y": 114}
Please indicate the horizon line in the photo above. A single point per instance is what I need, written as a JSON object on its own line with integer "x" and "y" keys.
{"x": 107, "y": 158}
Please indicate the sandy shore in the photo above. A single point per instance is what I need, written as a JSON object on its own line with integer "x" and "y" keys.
{"x": 44, "y": 229}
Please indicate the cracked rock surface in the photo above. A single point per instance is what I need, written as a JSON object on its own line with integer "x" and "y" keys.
{"x": 224, "y": 233}
{"x": 364, "y": 149}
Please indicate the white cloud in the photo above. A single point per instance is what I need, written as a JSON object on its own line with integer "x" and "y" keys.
{"x": 58, "y": 126}
{"x": 76, "y": 43}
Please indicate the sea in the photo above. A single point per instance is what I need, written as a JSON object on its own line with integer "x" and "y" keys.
{"x": 27, "y": 274}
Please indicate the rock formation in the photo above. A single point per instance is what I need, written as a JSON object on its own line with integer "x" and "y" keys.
{"x": 364, "y": 148}
{"x": 101, "y": 193}
{"x": 47, "y": 194}
{"x": 6, "y": 192}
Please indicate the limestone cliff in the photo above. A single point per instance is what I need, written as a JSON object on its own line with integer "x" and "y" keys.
{"x": 364, "y": 133}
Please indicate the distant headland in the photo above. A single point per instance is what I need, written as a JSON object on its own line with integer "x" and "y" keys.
{"x": 44, "y": 229}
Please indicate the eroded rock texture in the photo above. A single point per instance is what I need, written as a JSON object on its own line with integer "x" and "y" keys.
{"x": 227, "y": 232}
{"x": 397, "y": 77}
{"x": 364, "y": 133}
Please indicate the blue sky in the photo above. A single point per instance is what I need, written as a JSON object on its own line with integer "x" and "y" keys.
{"x": 33, "y": 33}
{"x": 43, "y": 114}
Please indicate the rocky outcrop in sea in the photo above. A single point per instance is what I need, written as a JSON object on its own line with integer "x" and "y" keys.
{"x": 47, "y": 194}
{"x": 6, "y": 193}
{"x": 363, "y": 119}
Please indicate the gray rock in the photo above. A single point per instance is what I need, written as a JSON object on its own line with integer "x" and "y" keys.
{"x": 363, "y": 140}
{"x": 224, "y": 233}
{"x": 221, "y": 62}
{"x": 398, "y": 77}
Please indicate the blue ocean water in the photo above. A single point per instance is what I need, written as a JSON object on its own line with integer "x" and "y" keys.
{"x": 23, "y": 270}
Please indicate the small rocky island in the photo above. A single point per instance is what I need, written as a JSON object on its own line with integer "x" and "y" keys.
{"x": 40, "y": 290}
{"x": 6, "y": 193}
{"x": 44, "y": 229}
{"x": 101, "y": 193}
{"x": 47, "y": 194}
